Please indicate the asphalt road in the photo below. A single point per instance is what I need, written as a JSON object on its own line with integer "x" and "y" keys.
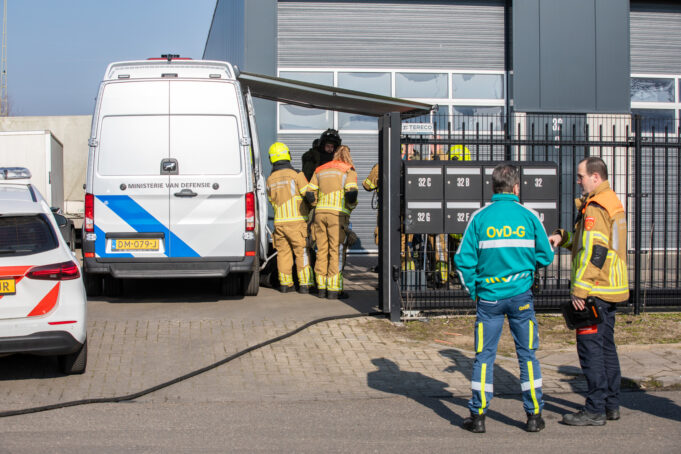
{"x": 650, "y": 423}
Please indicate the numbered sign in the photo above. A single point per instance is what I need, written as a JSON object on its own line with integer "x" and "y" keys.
{"x": 539, "y": 183}
{"x": 423, "y": 217}
{"x": 463, "y": 183}
{"x": 547, "y": 212}
{"x": 458, "y": 214}
{"x": 423, "y": 182}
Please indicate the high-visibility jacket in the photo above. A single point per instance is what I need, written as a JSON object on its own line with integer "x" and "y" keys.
{"x": 503, "y": 244}
{"x": 599, "y": 247}
{"x": 329, "y": 184}
{"x": 371, "y": 182}
{"x": 285, "y": 189}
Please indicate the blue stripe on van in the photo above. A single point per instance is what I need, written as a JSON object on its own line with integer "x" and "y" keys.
{"x": 100, "y": 245}
{"x": 142, "y": 221}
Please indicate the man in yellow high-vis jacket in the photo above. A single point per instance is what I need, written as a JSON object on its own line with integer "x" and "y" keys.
{"x": 599, "y": 270}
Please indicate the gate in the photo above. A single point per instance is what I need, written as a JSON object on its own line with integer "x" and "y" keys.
{"x": 417, "y": 272}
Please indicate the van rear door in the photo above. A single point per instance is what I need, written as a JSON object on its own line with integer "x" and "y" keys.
{"x": 207, "y": 194}
{"x": 130, "y": 184}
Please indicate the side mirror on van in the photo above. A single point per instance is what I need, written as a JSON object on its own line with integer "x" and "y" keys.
{"x": 61, "y": 220}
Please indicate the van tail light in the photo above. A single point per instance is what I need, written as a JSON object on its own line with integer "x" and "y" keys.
{"x": 250, "y": 211}
{"x": 89, "y": 213}
{"x": 64, "y": 271}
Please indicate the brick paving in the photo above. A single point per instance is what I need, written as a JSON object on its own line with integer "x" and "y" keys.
{"x": 337, "y": 359}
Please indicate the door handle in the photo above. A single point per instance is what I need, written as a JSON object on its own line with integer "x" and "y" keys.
{"x": 186, "y": 193}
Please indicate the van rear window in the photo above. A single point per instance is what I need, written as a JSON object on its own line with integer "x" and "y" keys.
{"x": 205, "y": 144}
{"x": 132, "y": 145}
{"x": 22, "y": 235}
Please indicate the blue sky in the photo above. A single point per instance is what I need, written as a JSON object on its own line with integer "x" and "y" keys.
{"x": 57, "y": 50}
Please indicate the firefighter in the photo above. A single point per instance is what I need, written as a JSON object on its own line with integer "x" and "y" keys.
{"x": 285, "y": 189}
{"x": 322, "y": 151}
{"x": 439, "y": 243}
{"x": 503, "y": 245}
{"x": 371, "y": 184}
{"x": 333, "y": 192}
{"x": 599, "y": 269}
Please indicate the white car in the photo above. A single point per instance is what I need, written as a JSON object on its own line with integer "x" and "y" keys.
{"x": 42, "y": 297}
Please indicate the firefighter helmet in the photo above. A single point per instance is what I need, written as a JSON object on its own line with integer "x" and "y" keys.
{"x": 459, "y": 153}
{"x": 279, "y": 152}
{"x": 330, "y": 136}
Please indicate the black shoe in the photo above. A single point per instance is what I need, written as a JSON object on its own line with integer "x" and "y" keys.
{"x": 584, "y": 418}
{"x": 321, "y": 293}
{"x": 612, "y": 415}
{"x": 336, "y": 295}
{"x": 285, "y": 289}
{"x": 305, "y": 289}
{"x": 535, "y": 423}
{"x": 475, "y": 424}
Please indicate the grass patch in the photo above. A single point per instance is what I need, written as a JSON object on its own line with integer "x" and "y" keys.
{"x": 458, "y": 331}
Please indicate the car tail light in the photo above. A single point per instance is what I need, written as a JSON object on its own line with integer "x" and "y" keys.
{"x": 89, "y": 213}
{"x": 250, "y": 211}
{"x": 64, "y": 271}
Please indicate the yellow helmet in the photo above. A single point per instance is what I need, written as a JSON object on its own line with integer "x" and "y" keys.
{"x": 459, "y": 153}
{"x": 279, "y": 152}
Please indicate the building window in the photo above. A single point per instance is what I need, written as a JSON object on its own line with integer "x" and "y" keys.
{"x": 421, "y": 85}
{"x": 477, "y": 86}
{"x": 312, "y": 77}
{"x": 650, "y": 89}
{"x": 657, "y": 120}
{"x": 293, "y": 117}
{"x": 371, "y": 82}
{"x": 483, "y": 118}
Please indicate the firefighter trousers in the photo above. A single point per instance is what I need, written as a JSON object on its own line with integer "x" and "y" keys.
{"x": 291, "y": 239}
{"x": 490, "y": 321}
{"x": 330, "y": 233}
{"x": 599, "y": 361}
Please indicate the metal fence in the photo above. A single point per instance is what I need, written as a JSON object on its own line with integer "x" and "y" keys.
{"x": 644, "y": 170}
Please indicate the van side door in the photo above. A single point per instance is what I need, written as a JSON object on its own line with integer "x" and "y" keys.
{"x": 260, "y": 181}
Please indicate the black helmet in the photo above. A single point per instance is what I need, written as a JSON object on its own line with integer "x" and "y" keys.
{"x": 331, "y": 136}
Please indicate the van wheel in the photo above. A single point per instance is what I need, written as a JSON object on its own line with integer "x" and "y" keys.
{"x": 251, "y": 283}
{"x": 93, "y": 283}
{"x": 74, "y": 363}
{"x": 112, "y": 287}
{"x": 231, "y": 285}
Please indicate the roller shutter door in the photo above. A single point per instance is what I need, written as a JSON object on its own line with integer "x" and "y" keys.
{"x": 655, "y": 37}
{"x": 437, "y": 35}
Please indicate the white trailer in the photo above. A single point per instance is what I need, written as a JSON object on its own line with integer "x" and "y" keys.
{"x": 40, "y": 152}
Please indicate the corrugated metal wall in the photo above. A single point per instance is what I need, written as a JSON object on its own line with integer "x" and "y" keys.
{"x": 447, "y": 35}
{"x": 655, "y": 37}
{"x": 391, "y": 35}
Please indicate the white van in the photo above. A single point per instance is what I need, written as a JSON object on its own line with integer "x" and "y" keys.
{"x": 174, "y": 183}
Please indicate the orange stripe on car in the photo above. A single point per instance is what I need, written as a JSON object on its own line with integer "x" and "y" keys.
{"x": 47, "y": 303}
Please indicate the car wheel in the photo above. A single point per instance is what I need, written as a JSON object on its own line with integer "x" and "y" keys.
{"x": 93, "y": 284}
{"x": 74, "y": 363}
{"x": 231, "y": 285}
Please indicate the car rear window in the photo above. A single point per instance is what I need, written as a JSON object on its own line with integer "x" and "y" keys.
{"x": 22, "y": 235}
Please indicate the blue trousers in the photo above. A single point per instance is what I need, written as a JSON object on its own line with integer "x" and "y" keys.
{"x": 600, "y": 363}
{"x": 488, "y": 326}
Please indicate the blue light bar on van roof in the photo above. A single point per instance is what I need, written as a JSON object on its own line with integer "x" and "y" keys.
{"x": 14, "y": 173}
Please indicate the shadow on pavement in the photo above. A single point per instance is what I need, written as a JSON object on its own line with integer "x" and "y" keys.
{"x": 25, "y": 367}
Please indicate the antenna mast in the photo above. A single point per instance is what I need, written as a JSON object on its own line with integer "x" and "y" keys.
{"x": 4, "y": 108}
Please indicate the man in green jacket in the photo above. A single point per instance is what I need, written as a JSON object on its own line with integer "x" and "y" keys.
{"x": 504, "y": 243}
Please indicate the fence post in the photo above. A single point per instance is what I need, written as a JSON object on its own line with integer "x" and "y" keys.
{"x": 638, "y": 197}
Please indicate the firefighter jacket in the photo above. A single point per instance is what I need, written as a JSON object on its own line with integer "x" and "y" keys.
{"x": 599, "y": 247}
{"x": 371, "y": 182}
{"x": 504, "y": 243}
{"x": 330, "y": 186}
{"x": 285, "y": 189}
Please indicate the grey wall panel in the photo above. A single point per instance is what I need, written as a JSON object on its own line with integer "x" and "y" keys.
{"x": 655, "y": 37}
{"x": 226, "y": 35}
{"x": 364, "y": 150}
{"x": 398, "y": 34}
{"x": 573, "y": 53}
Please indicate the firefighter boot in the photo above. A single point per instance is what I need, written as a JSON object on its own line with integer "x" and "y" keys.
{"x": 535, "y": 423}
{"x": 475, "y": 423}
{"x": 612, "y": 415}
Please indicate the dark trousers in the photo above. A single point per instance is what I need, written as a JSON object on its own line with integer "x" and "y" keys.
{"x": 600, "y": 364}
